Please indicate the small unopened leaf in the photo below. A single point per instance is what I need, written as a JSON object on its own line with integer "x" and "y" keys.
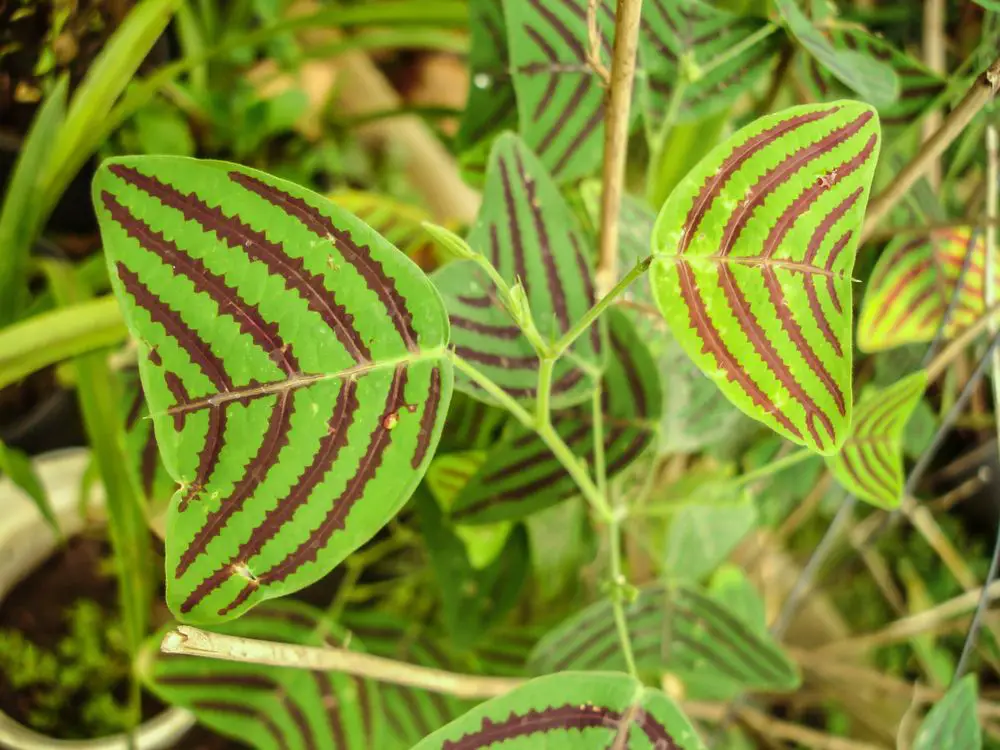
{"x": 294, "y": 363}
{"x": 912, "y": 285}
{"x": 521, "y": 475}
{"x": 527, "y": 231}
{"x": 953, "y": 721}
{"x": 272, "y": 707}
{"x": 574, "y": 709}
{"x": 753, "y": 258}
{"x": 677, "y": 630}
{"x": 17, "y": 467}
{"x": 870, "y": 462}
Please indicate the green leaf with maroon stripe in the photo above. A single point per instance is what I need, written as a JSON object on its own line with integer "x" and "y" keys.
{"x": 560, "y": 99}
{"x": 872, "y": 79}
{"x": 677, "y": 630}
{"x": 140, "y": 438}
{"x": 912, "y": 284}
{"x": 673, "y": 30}
{"x": 753, "y": 257}
{"x": 870, "y": 462}
{"x": 919, "y": 86}
{"x": 408, "y": 714}
{"x": 294, "y": 363}
{"x": 471, "y": 425}
{"x": 272, "y": 708}
{"x": 521, "y": 475}
{"x": 400, "y": 223}
{"x": 575, "y": 709}
{"x": 528, "y": 232}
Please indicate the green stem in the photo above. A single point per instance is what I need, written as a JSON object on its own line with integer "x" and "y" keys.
{"x": 618, "y": 581}
{"x": 584, "y": 323}
{"x": 543, "y": 404}
{"x": 774, "y": 467}
{"x": 597, "y": 417}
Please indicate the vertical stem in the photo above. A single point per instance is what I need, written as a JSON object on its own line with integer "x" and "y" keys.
{"x": 597, "y": 417}
{"x": 934, "y": 57}
{"x": 616, "y": 121}
{"x": 543, "y": 411}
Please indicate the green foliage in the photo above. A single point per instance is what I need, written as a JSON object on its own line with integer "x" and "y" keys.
{"x": 16, "y": 465}
{"x": 590, "y": 710}
{"x": 953, "y": 721}
{"x": 701, "y": 536}
{"x": 753, "y": 259}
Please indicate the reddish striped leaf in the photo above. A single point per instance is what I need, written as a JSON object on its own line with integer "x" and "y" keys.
{"x": 521, "y": 476}
{"x": 675, "y": 29}
{"x": 529, "y": 234}
{"x": 754, "y": 253}
{"x": 294, "y": 363}
{"x": 272, "y": 707}
{"x": 919, "y": 86}
{"x": 870, "y": 462}
{"x": 560, "y": 99}
{"x": 579, "y": 710}
{"x": 911, "y": 286}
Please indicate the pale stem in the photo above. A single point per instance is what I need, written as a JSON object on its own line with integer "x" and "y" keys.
{"x": 955, "y": 347}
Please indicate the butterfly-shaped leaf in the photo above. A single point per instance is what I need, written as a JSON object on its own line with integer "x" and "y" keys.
{"x": 919, "y": 86}
{"x": 753, "y": 257}
{"x": 677, "y": 630}
{"x": 870, "y": 462}
{"x": 521, "y": 475}
{"x": 528, "y": 232}
{"x": 872, "y": 79}
{"x": 400, "y": 223}
{"x": 952, "y": 722}
{"x": 675, "y": 29}
{"x": 912, "y": 284}
{"x": 581, "y": 710}
{"x": 272, "y": 707}
{"x": 294, "y": 363}
{"x": 560, "y": 99}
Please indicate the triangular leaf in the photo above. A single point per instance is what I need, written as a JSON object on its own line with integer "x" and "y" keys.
{"x": 269, "y": 707}
{"x": 701, "y": 536}
{"x": 912, "y": 284}
{"x": 579, "y": 710}
{"x": 521, "y": 475}
{"x": 528, "y": 232}
{"x": 677, "y": 630}
{"x": 294, "y": 363}
{"x": 754, "y": 253}
{"x": 870, "y": 462}
{"x": 953, "y": 721}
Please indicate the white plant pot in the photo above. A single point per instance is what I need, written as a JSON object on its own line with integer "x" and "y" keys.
{"x": 25, "y": 542}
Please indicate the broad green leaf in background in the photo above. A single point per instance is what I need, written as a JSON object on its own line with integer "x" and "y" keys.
{"x": 912, "y": 284}
{"x": 952, "y": 722}
{"x": 677, "y": 630}
{"x": 140, "y": 437}
{"x": 471, "y": 425}
{"x": 875, "y": 81}
{"x": 575, "y": 709}
{"x": 521, "y": 475}
{"x": 730, "y": 586}
{"x": 720, "y": 54}
{"x": 993, "y": 5}
{"x": 752, "y": 267}
{"x": 919, "y": 86}
{"x": 17, "y": 466}
{"x": 562, "y": 541}
{"x": 701, "y": 536}
{"x": 560, "y": 99}
{"x": 272, "y": 707}
{"x": 870, "y": 462}
{"x": 295, "y": 367}
{"x": 528, "y": 233}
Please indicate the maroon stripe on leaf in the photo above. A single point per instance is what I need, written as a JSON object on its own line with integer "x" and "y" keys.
{"x": 479, "y": 302}
{"x": 216, "y": 680}
{"x": 568, "y": 37}
{"x": 181, "y": 397}
{"x": 486, "y": 329}
{"x": 331, "y": 707}
{"x": 582, "y": 134}
{"x": 513, "y": 225}
{"x": 359, "y": 256}
{"x": 551, "y": 55}
{"x": 240, "y": 709}
{"x": 364, "y": 705}
{"x": 583, "y": 268}
{"x": 208, "y": 456}
{"x": 428, "y": 418}
{"x": 631, "y": 375}
{"x": 529, "y": 362}
{"x": 901, "y": 284}
{"x": 150, "y": 454}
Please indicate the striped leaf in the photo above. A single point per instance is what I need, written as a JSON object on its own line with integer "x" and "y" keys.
{"x": 919, "y": 86}
{"x": 294, "y": 363}
{"x": 673, "y": 30}
{"x": 140, "y": 438}
{"x": 952, "y": 722}
{"x": 754, "y": 253}
{"x": 912, "y": 284}
{"x": 560, "y": 99}
{"x": 870, "y": 462}
{"x": 471, "y": 425}
{"x": 272, "y": 708}
{"x": 400, "y": 223}
{"x": 408, "y": 714}
{"x": 545, "y": 249}
{"x": 680, "y": 631}
{"x": 579, "y": 710}
{"x": 873, "y": 80}
{"x": 522, "y": 476}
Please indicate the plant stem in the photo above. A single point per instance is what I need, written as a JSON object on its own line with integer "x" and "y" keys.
{"x": 616, "y": 122}
{"x": 982, "y": 91}
{"x": 543, "y": 414}
{"x": 773, "y": 467}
